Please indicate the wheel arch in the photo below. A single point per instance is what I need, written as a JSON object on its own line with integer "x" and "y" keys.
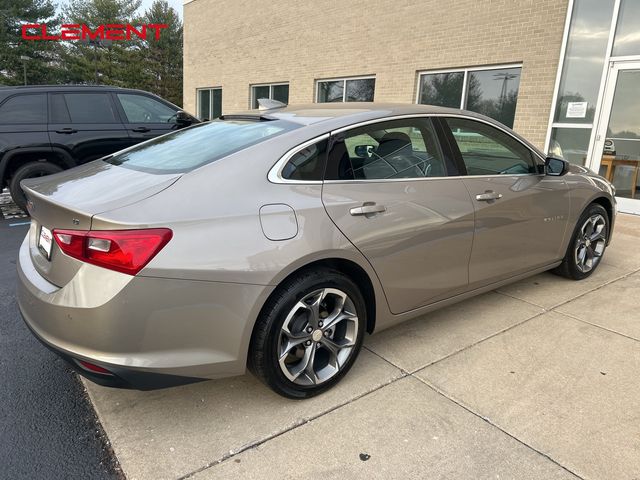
{"x": 12, "y": 160}
{"x": 347, "y": 267}
{"x": 607, "y": 204}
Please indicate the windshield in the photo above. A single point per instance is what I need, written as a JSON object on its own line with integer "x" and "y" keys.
{"x": 190, "y": 148}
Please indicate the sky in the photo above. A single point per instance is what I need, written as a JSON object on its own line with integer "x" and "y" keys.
{"x": 176, "y": 4}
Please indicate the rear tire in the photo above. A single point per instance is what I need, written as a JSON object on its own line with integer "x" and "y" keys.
{"x": 587, "y": 245}
{"x": 29, "y": 170}
{"x": 300, "y": 351}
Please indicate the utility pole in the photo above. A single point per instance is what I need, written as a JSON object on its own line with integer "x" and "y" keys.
{"x": 24, "y": 59}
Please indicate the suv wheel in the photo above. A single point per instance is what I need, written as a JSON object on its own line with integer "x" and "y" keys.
{"x": 29, "y": 170}
{"x": 309, "y": 334}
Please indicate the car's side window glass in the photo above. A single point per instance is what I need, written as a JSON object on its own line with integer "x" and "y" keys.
{"x": 486, "y": 150}
{"x": 90, "y": 108}
{"x": 388, "y": 150}
{"x": 142, "y": 109}
{"x": 307, "y": 164}
{"x": 23, "y": 109}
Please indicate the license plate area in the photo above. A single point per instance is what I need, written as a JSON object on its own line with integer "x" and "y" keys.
{"x": 45, "y": 241}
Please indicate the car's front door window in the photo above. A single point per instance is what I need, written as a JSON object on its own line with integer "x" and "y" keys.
{"x": 142, "y": 109}
{"x": 400, "y": 149}
{"x": 485, "y": 150}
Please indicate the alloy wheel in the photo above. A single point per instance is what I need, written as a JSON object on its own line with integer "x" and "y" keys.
{"x": 590, "y": 243}
{"x": 317, "y": 337}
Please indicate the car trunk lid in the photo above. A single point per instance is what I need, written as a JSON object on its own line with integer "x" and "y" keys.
{"x": 70, "y": 199}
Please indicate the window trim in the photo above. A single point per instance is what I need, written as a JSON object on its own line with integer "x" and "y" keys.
{"x": 454, "y": 147}
{"x": 344, "y": 86}
{"x": 252, "y": 86}
{"x": 465, "y": 71}
{"x": 274, "y": 174}
{"x": 198, "y": 89}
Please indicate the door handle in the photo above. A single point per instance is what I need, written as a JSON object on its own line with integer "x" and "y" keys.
{"x": 368, "y": 208}
{"x": 67, "y": 130}
{"x": 488, "y": 196}
{"x": 141, "y": 129}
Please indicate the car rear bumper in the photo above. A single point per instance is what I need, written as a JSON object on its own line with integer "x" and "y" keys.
{"x": 148, "y": 332}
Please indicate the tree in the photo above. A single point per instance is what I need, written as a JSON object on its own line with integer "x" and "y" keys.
{"x": 117, "y": 64}
{"x": 163, "y": 57}
{"x": 43, "y": 64}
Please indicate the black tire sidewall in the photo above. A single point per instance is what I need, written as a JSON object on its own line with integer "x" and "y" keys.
{"x": 29, "y": 170}
{"x": 274, "y": 319}
{"x": 572, "y": 267}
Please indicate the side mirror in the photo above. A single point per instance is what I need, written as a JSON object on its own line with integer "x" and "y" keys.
{"x": 555, "y": 166}
{"x": 364, "y": 151}
{"x": 183, "y": 119}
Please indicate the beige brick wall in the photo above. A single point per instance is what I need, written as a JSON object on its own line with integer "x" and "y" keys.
{"x": 235, "y": 43}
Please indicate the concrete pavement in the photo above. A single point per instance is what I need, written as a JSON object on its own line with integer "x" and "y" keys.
{"x": 536, "y": 380}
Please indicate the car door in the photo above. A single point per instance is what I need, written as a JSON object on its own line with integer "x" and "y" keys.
{"x": 85, "y": 124}
{"x": 392, "y": 191}
{"x": 520, "y": 213}
{"x": 145, "y": 117}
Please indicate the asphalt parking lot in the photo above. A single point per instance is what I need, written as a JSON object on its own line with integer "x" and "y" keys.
{"x": 48, "y": 428}
{"x": 536, "y": 380}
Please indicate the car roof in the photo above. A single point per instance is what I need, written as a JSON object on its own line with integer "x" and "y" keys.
{"x": 332, "y": 116}
{"x": 6, "y": 91}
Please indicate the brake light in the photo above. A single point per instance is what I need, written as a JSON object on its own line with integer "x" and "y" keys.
{"x": 126, "y": 251}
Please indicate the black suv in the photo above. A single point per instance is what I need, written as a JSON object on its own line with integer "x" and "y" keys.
{"x": 45, "y": 129}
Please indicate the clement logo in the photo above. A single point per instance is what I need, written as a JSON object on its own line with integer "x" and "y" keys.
{"x": 77, "y": 31}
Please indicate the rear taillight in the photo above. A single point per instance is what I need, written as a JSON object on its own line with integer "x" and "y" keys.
{"x": 126, "y": 251}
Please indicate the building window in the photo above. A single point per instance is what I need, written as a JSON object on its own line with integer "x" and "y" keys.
{"x": 359, "y": 89}
{"x": 209, "y": 103}
{"x": 273, "y": 91}
{"x": 492, "y": 91}
{"x": 581, "y": 72}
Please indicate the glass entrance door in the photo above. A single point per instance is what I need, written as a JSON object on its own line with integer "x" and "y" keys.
{"x": 617, "y": 146}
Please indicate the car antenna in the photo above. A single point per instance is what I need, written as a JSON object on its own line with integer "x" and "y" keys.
{"x": 269, "y": 104}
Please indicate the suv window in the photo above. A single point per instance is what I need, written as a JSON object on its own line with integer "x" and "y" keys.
{"x": 307, "y": 164}
{"x": 142, "y": 109}
{"x": 24, "y": 109}
{"x": 190, "y": 148}
{"x": 395, "y": 149}
{"x": 90, "y": 108}
{"x": 485, "y": 150}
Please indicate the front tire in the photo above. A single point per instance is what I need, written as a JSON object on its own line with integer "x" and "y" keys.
{"x": 29, "y": 170}
{"x": 309, "y": 333}
{"x": 587, "y": 245}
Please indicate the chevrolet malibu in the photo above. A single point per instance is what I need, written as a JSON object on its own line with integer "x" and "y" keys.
{"x": 276, "y": 239}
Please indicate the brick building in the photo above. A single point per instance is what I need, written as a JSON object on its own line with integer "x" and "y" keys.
{"x": 547, "y": 68}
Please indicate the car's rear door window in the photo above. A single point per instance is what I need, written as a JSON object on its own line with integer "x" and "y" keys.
{"x": 486, "y": 150}
{"x": 396, "y": 149}
{"x": 192, "y": 147}
{"x": 91, "y": 108}
{"x": 21, "y": 109}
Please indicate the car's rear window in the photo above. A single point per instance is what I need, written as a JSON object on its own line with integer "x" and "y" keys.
{"x": 188, "y": 149}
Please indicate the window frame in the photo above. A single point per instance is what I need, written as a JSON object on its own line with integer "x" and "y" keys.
{"x": 536, "y": 157}
{"x": 275, "y": 177}
{"x": 465, "y": 78}
{"x": 253, "y": 86}
{"x": 344, "y": 81}
{"x": 198, "y": 90}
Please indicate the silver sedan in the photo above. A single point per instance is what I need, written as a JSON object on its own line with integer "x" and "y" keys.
{"x": 276, "y": 239}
